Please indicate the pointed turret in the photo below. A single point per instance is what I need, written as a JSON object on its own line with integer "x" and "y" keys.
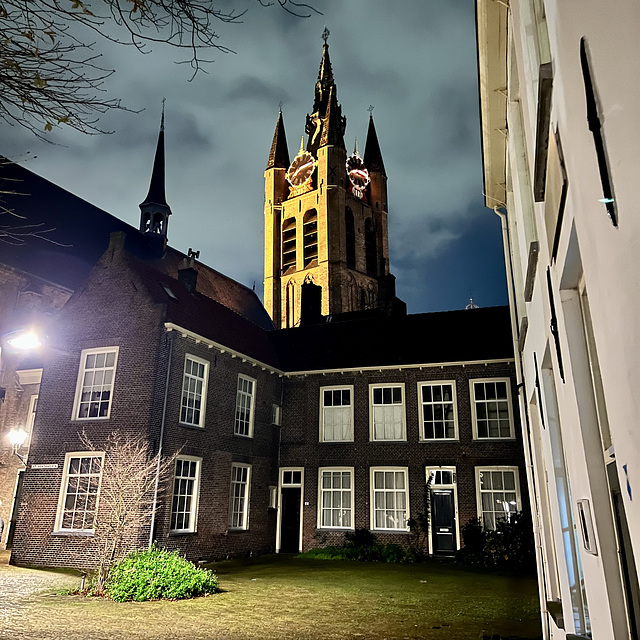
{"x": 372, "y": 155}
{"x": 279, "y": 154}
{"x": 334, "y": 123}
{"x": 154, "y": 210}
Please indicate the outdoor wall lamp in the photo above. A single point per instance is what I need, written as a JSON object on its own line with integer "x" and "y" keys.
{"x": 24, "y": 339}
{"x": 17, "y": 438}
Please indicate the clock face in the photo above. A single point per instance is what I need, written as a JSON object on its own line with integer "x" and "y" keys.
{"x": 301, "y": 169}
{"x": 358, "y": 175}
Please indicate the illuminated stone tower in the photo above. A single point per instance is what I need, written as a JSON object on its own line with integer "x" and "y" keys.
{"x": 326, "y": 241}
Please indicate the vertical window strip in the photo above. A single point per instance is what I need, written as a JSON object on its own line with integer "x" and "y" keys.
{"x": 82, "y": 484}
{"x": 184, "y": 495}
{"x": 554, "y": 325}
{"x": 492, "y": 409}
{"x": 387, "y": 410}
{"x": 244, "y": 406}
{"x": 97, "y": 372}
{"x": 498, "y": 496}
{"x": 238, "y": 498}
{"x": 438, "y": 411}
{"x": 336, "y": 415}
{"x": 193, "y": 392}
{"x": 595, "y": 126}
{"x": 336, "y": 494}
{"x": 390, "y": 499}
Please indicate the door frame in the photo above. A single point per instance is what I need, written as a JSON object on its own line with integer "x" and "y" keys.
{"x": 281, "y": 484}
{"x": 454, "y": 487}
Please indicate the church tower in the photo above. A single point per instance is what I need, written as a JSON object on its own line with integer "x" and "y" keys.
{"x": 326, "y": 240}
{"x": 154, "y": 211}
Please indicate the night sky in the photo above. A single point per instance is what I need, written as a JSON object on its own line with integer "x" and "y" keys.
{"x": 413, "y": 60}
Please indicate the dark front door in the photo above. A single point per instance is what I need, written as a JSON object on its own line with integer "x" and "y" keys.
{"x": 14, "y": 512}
{"x": 443, "y": 522}
{"x": 290, "y": 523}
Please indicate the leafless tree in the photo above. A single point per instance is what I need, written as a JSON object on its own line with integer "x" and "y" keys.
{"x": 126, "y": 502}
{"x": 51, "y": 73}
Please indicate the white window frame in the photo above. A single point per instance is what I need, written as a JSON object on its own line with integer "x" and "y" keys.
{"x": 252, "y": 407}
{"x": 372, "y": 472}
{"x": 276, "y": 415}
{"x": 479, "y": 492}
{"x": 64, "y": 486}
{"x": 342, "y": 387}
{"x": 421, "y": 404}
{"x": 321, "y": 491}
{"x": 195, "y": 495}
{"x": 472, "y": 395}
{"x": 244, "y": 525}
{"x": 372, "y": 434}
{"x": 81, "y": 371}
{"x": 203, "y": 395}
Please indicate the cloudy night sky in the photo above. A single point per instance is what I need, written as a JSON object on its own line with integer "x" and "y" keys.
{"x": 413, "y": 60}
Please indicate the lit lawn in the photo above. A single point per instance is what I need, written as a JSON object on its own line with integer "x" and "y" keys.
{"x": 284, "y": 597}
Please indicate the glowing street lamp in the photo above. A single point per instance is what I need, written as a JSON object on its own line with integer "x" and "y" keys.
{"x": 17, "y": 438}
{"x": 24, "y": 339}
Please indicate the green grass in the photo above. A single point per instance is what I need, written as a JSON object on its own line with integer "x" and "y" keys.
{"x": 296, "y": 598}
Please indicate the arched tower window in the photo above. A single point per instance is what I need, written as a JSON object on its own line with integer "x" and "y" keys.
{"x": 310, "y": 234}
{"x": 350, "y": 233}
{"x": 288, "y": 244}
{"x": 370, "y": 250}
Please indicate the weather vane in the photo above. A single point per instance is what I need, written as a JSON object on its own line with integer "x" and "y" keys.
{"x": 280, "y": 105}
{"x": 325, "y": 34}
{"x": 370, "y": 109}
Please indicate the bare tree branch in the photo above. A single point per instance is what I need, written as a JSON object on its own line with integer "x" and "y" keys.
{"x": 50, "y": 72}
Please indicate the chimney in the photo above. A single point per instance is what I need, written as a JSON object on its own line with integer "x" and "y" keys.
{"x": 188, "y": 276}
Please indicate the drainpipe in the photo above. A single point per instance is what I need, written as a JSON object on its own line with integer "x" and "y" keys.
{"x": 162, "y": 422}
{"x": 524, "y": 417}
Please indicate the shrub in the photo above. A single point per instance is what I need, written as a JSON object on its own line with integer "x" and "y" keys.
{"x": 510, "y": 546}
{"x": 393, "y": 553}
{"x": 156, "y": 573}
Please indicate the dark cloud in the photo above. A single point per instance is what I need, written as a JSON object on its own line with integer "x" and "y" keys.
{"x": 255, "y": 89}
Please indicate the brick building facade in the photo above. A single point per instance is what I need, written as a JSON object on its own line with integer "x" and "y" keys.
{"x": 281, "y": 439}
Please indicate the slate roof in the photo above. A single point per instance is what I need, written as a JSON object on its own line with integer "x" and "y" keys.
{"x": 82, "y": 232}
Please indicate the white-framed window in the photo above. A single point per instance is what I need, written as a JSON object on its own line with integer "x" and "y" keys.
{"x": 79, "y": 491}
{"x": 276, "y": 415}
{"x": 94, "y": 390}
{"x": 441, "y": 476}
{"x": 336, "y": 414}
{"x": 335, "y": 498}
{"x": 239, "y": 496}
{"x": 186, "y": 489}
{"x": 491, "y": 408}
{"x": 194, "y": 391}
{"x": 33, "y": 407}
{"x": 438, "y": 410}
{"x": 387, "y": 416}
{"x": 245, "y": 405}
{"x": 389, "y": 498}
{"x": 498, "y": 493}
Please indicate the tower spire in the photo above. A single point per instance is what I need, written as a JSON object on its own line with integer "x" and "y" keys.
{"x": 372, "y": 154}
{"x": 279, "y": 154}
{"x": 154, "y": 210}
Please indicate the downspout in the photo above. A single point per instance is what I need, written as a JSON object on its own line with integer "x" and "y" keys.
{"x": 524, "y": 417}
{"x": 162, "y": 423}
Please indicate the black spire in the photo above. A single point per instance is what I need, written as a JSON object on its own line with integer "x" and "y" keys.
{"x": 154, "y": 210}
{"x": 279, "y": 154}
{"x": 372, "y": 155}
{"x": 326, "y": 125}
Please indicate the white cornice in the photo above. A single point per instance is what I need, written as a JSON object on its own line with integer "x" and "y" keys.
{"x": 29, "y": 376}
{"x": 211, "y": 344}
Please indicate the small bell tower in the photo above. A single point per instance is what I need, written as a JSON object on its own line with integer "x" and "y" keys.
{"x": 154, "y": 211}
{"x": 326, "y": 240}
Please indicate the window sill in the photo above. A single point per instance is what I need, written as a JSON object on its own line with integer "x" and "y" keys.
{"x": 338, "y": 529}
{"x": 96, "y": 419}
{"x": 381, "y": 440}
{"x": 402, "y": 531}
{"x": 439, "y": 440}
{"x": 179, "y": 534}
{"x": 336, "y": 441}
{"x": 191, "y": 426}
{"x": 242, "y": 435}
{"x": 498, "y": 439}
{"x": 73, "y": 534}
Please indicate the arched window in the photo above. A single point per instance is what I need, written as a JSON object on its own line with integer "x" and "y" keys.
{"x": 310, "y": 235}
{"x": 288, "y": 244}
{"x": 290, "y": 304}
{"x": 370, "y": 250}
{"x": 350, "y": 233}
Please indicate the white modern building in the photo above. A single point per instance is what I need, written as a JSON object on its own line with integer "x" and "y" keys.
{"x": 560, "y": 109}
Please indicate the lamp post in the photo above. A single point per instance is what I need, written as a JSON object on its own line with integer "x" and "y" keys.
{"x": 17, "y": 438}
